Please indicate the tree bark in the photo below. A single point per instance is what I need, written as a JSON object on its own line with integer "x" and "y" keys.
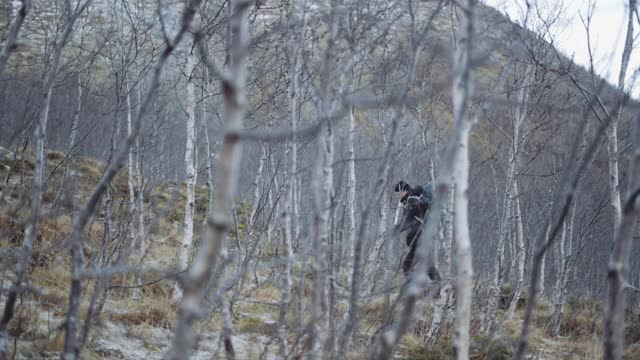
{"x": 615, "y": 309}
{"x": 189, "y": 159}
{"x": 12, "y": 34}
{"x": 195, "y": 282}
{"x": 351, "y": 187}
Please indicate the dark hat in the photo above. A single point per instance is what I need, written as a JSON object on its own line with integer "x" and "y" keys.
{"x": 402, "y": 186}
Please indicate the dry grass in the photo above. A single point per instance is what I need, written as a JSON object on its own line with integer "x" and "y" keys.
{"x": 266, "y": 293}
{"x": 55, "y": 155}
{"x": 21, "y": 165}
{"x": 54, "y": 278}
{"x": 254, "y": 324}
{"x": 12, "y": 221}
{"x": 586, "y": 349}
{"x": 147, "y": 310}
{"x": 414, "y": 348}
{"x": 91, "y": 169}
{"x": 54, "y": 229}
{"x": 633, "y": 352}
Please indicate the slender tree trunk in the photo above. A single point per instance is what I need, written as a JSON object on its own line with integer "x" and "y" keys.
{"x": 257, "y": 183}
{"x": 351, "y": 186}
{"x": 560, "y": 289}
{"x": 189, "y": 159}
{"x": 444, "y": 296}
{"x": 210, "y": 160}
{"x": 12, "y": 34}
{"x": 140, "y": 183}
{"x": 496, "y": 279}
{"x": 519, "y": 254}
{"x": 618, "y": 264}
{"x": 289, "y": 185}
{"x": 130, "y": 165}
{"x": 72, "y": 143}
{"x": 199, "y": 275}
{"x": 322, "y": 190}
{"x": 464, "y": 285}
{"x": 461, "y": 97}
{"x": 543, "y": 260}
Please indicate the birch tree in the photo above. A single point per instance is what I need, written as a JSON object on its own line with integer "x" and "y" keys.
{"x": 520, "y": 135}
{"x": 189, "y": 159}
{"x": 70, "y": 16}
{"x": 196, "y": 279}
{"x": 14, "y": 30}
{"x": 457, "y": 168}
{"x": 291, "y": 155}
{"x": 624, "y": 218}
{"x": 615, "y": 308}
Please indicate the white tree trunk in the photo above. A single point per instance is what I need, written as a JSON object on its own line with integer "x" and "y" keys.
{"x": 519, "y": 255}
{"x": 624, "y": 223}
{"x": 257, "y": 183}
{"x": 543, "y": 262}
{"x": 461, "y": 97}
{"x": 496, "y": 279}
{"x": 76, "y": 120}
{"x": 464, "y": 280}
{"x": 130, "y": 166}
{"x": 72, "y": 142}
{"x": 189, "y": 159}
{"x": 289, "y": 187}
{"x": 12, "y": 34}
{"x": 140, "y": 184}
{"x": 444, "y": 297}
{"x": 560, "y": 288}
{"x": 351, "y": 187}
{"x": 218, "y": 222}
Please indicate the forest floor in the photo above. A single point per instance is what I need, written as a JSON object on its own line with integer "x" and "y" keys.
{"x": 139, "y": 326}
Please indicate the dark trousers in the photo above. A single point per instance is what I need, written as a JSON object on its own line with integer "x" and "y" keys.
{"x": 409, "y": 261}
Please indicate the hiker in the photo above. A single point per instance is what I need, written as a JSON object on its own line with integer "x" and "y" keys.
{"x": 414, "y": 204}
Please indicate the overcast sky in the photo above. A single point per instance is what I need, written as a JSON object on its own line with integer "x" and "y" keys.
{"x": 608, "y": 29}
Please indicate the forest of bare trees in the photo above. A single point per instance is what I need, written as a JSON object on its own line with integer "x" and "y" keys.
{"x": 304, "y": 179}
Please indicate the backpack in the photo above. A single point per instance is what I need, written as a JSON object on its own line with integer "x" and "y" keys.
{"x": 427, "y": 194}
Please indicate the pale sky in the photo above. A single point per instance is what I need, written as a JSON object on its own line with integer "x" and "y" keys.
{"x": 608, "y": 30}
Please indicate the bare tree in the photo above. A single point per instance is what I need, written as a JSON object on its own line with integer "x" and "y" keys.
{"x": 190, "y": 162}
{"x": 195, "y": 280}
{"x": 71, "y": 14}
{"x": 14, "y": 30}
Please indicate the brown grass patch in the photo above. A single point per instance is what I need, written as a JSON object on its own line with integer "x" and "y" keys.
{"x": 54, "y": 279}
{"x": 54, "y": 229}
{"x": 252, "y": 324}
{"x": 147, "y": 310}
{"x": 91, "y": 169}
{"x": 55, "y": 155}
